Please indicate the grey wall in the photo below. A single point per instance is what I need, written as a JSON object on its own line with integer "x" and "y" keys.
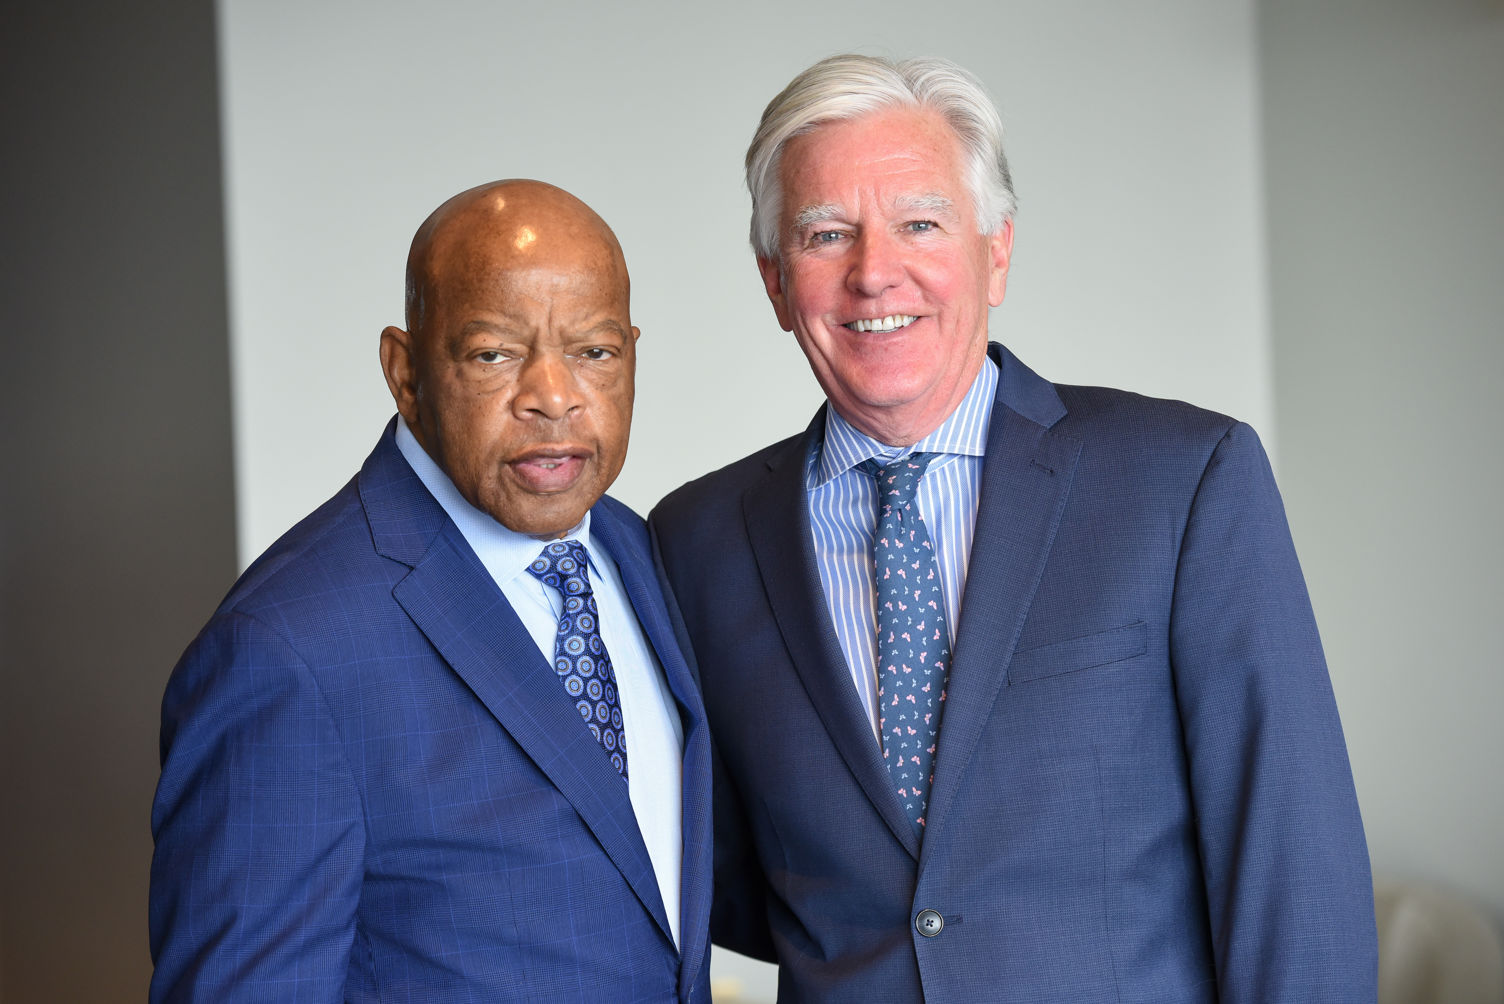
{"x": 1133, "y": 132}
{"x": 1385, "y": 151}
{"x": 116, "y": 503}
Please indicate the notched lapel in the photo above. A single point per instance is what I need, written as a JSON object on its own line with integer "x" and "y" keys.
{"x": 459, "y": 608}
{"x": 645, "y": 592}
{"x": 777, "y": 514}
{"x": 1026, "y": 480}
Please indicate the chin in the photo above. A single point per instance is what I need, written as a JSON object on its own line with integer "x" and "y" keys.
{"x": 541, "y": 517}
{"x": 555, "y": 523}
{"x": 895, "y": 393}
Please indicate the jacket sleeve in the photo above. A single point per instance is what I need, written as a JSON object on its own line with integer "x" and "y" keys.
{"x": 739, "y": 909}
{"x": 1283, "y": 854}
{"x": 258, "y": 827}
{"x": 739, "y": 912}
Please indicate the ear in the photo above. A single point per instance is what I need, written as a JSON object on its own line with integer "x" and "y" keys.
{"x": 772, "y": 281}
{"x": 630, "y": 353}
{"x": 399, "y": 363}
{"x": 1000, "y": 249}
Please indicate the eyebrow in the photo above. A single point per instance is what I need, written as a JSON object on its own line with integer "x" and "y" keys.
{"x": 810, "y": 215}
{"x": 606, "y": 325}
{"x": 481, "y": 326}
{"x": 928, "y": 202}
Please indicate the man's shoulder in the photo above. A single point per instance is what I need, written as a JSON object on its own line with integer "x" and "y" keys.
{"x": 724, "y": 487}
{"x": 330, "y": 546}
{"x": 1126, "y": 415}
{"x": 1132, "y": 438}
{"x": 623, "y": 515}
{"x": 368, "y": 534}
{"x": 624, "y": 532}
{"x": 1100, "y": 414}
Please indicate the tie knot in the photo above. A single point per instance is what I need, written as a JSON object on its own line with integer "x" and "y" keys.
{"x": 562, "y": 564}
{"x": 898, "y": 482}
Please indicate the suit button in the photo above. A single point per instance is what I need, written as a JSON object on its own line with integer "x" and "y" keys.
{"x": 929, "y": 923}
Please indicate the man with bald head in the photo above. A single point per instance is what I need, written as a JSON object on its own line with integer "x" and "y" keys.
{"x": 438, "y": 743}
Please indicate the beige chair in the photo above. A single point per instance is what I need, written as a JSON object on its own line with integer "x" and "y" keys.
{"x": 1435, "y": 947}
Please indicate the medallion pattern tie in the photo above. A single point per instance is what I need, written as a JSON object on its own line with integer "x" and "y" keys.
{"x": 580, "y": 657}
{"x": 913, "y": 639}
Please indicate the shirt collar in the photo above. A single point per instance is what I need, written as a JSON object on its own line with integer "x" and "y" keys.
{"x": 963, "y": 432}
{"x": 504, "y": 552}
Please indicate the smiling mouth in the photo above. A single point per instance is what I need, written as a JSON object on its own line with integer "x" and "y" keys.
{"x": 881, "y": 324}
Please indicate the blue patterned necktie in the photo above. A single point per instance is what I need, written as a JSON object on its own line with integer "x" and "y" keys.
{"x": 913, "y": 639}
{"x": 580, "y": 657}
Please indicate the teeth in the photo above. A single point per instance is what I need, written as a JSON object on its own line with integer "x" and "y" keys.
{"x": 890, "y": 323}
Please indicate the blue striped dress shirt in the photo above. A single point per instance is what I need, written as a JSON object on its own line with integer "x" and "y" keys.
{"x": 843, "y": 514}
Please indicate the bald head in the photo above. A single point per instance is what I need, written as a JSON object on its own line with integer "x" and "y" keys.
{"x": 505, "y": 225}
{"x": 515, "y": 373}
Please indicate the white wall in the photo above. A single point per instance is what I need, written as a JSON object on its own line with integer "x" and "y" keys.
{"x": 1133, "y": 135}
{"x": 1386, "y": 193}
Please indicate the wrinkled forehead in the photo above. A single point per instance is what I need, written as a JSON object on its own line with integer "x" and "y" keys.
{"x": 893, "y": 163}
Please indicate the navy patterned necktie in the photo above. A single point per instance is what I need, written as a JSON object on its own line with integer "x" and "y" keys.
{"x": 580, "y": 657}
{"x": 913, "y": 639}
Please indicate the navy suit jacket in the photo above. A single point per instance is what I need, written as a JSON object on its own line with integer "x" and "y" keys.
{"x": 373, "y": 787}
{"x": 1141, "y": 790}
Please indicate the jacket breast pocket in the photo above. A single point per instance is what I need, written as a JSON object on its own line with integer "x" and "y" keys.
{"x": 1075, "y": 654}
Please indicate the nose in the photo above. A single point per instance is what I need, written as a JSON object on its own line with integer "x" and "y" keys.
{"x": 547, "y": 387}
{"x": 876, "y": 266}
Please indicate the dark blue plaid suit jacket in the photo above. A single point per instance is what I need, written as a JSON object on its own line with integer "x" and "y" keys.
{"x": 372, "y": 788}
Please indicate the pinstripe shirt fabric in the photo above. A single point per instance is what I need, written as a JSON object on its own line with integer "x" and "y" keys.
{"x": 843, "y": 513}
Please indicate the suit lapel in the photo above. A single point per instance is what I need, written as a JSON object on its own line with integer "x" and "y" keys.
{"x": 1026, "y": 479}
{"x": 777, "y": 509}
{"x": 629, "y": 550}
{"x": 458, "y": 607}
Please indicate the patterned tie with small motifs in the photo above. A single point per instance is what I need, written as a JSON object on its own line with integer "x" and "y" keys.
{"x": 580, "y": 657}
{"x": 913, "y": 639}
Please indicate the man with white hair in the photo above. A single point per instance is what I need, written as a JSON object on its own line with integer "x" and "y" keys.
{"x": 1015, "y": 688}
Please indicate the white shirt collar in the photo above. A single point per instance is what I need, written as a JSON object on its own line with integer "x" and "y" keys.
{"x": 505, "y": 552}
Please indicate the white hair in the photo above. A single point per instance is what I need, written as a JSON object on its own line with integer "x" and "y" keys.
{"x": 849, "y": 86}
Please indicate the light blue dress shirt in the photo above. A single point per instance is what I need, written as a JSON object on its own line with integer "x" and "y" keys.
{"x": 655, "y": 737}
{"x": 843, "y": 514}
